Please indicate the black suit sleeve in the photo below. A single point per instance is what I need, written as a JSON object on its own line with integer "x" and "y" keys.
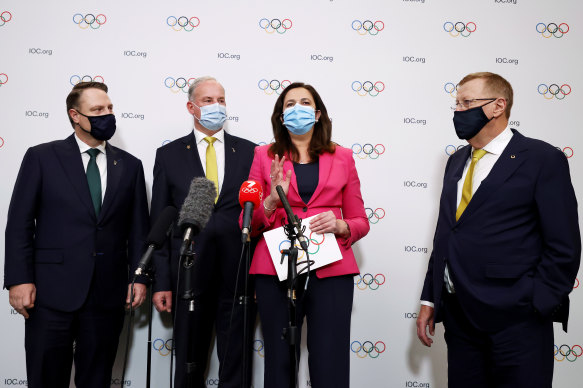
{"x": 161, "y": 197}
{"x": 559, "y": 227}
{"x": 140, "y": 222}
{"x": 20, "y": 227}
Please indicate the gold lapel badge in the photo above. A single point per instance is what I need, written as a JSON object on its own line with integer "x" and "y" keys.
{"x": 188, "y": 147}
{"x": 512, "y": 156}
{"x": 115, "y": 162}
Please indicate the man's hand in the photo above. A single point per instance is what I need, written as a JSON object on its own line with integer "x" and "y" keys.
{"x": 163, "y": 301}
{"x": 139, "y": 295}
{"x": 425, "y": 318}
{"x": 22, "y": 297}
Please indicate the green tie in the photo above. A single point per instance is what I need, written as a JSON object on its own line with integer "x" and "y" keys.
{"x": 467, "y": 189}
{"x": 94, "y": 180}
{"x": 211, "y": 163}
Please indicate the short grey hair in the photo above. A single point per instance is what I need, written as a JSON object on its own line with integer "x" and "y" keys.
{"x": 197, "y": 82}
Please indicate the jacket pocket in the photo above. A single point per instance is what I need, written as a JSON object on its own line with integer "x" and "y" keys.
{"x": 507, "y": 271}
{"x": 48, "y": 256}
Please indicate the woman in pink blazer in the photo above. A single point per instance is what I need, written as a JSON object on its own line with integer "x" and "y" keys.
{"x": 319, "y": 178}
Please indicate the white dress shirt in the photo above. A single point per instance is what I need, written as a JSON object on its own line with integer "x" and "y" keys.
{"x": 481, "y": 170}
{"x": 219, "y": 145}
{"x": 101, "y": 161}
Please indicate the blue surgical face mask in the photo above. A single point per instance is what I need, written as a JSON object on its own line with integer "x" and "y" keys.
{"x": 212, "y": 116}
{"x": 299, "y": 119}
{"x": 102, "y": 127}
{"x": 468, "y": 123}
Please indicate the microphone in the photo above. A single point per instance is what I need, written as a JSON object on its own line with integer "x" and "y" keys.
{"x": 292, "y": 218}
{"x": 196, "y": 210}
{"x": 250, "y": 196}
{"x": 160, "y": 230}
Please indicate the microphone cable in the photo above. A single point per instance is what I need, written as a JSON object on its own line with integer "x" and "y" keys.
{"x": 129, "y": 325}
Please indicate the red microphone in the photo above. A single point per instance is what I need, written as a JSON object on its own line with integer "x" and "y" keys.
{"x": 250, "y": 196}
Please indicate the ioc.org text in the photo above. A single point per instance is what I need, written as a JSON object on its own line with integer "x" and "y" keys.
{"x": 416, "y": 384}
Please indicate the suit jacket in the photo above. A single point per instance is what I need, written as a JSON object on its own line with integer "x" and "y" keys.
{"x": 177, "y": 163}
{"x": 517, "y": 247}
{"x": 55, "y": 240}
{"x": 338, "y": 190}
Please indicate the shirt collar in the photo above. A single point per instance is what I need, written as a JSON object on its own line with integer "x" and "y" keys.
{"x": 83, "y": 147}
{"x": 499, "y": 143}
{"x": 199, "y": 136}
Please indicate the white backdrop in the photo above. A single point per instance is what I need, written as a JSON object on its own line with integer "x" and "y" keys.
{"x": 386, "y": 70}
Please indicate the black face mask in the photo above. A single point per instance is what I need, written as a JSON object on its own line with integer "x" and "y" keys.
{"x": 102, "y": 127}
{"x": 469, "y": 122}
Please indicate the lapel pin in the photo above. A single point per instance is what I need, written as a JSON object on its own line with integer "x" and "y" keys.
{"x": 188, "y": 147}
{"x": 233, "y": 148}
{"x": 115, "y": 162}
{"x": 512, "y": 156}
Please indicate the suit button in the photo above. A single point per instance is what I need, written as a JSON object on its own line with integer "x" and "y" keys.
{"x": 94, "y": 254}
{"x": 455, "y": 229}
{"x": 305, "y": 209}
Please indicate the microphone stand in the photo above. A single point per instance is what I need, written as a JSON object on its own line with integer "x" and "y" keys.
{"x": 188, "y": 296}
{"x": 246, "y": 300}
{"x": 290, "y": 333}
{"x": 149, "y": 362}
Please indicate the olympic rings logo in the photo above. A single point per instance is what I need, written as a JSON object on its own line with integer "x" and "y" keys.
{"x": 2, "y": 145}
{"x": 163, "y": 347}
{"x": 367, "y": 87}
{"x": 367, "y": 348}
{"x": 374, "y": 216}
{"x": 177, "y": 84}
{"x": 3, "y": 79}
{"x": 182, "y": 23}
{"x": 450, "y": 149}
{"x": 570, "y": 353}
{"x": 459, "y": 28}
{"x": 75, "y": 79}
{"x": 554, "y": 90}
{"x": 314, "y": 242}
{"x": 5, "y": 17}
{"x": 249, "y": 190}
{"x": 368, "y": 150}
{"x": 576, "y": 279}
{"x": 568, "y": 151}
{"x": 270, "y": 26}
{"x": 273, "y": 86}
{"x": 368, "y": 281}
{"x": 362, "y": 28}
{"x": 450, "y": 88}
{"x": 551, "y": 29}
{"x": 89, "y": 20}
{"x": 259, "y": 348}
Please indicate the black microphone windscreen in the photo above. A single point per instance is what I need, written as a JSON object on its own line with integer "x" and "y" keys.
{"x": 160, "y": 228}
{"x": 198, "y": 204}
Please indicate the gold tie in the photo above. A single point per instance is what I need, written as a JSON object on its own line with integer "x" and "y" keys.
{"x": 211, "y": 163}
{"x": 467, "y": 189}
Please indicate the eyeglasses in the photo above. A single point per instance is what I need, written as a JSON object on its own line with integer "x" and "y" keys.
{"x": 465, "y": 104}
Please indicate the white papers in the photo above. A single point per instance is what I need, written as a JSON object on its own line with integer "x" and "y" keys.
{"x": 322, "y": 248}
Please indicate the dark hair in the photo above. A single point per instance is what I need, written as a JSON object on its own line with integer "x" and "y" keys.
{"x": 321, "y": 138}
{"x": 75, "y": 94}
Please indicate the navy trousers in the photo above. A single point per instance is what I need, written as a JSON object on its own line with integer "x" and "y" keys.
{"x": 520, "y": 355}
{"x": 327, "y": 307}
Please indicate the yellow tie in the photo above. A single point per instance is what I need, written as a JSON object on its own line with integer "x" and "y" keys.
{"x": 467, "y": 189}
{"x": 211, "y": 163}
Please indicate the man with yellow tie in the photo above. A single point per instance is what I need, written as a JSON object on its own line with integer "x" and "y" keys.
{"x": 224, "y": 159}
{"x": 506, "y": 249}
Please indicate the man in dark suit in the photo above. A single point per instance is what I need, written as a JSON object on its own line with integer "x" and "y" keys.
{"x": 76, "y": 224}
{"x": 506, "y": 249}
{"x": 225, "y": 159}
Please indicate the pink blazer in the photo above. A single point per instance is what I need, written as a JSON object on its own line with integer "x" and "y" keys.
{"x": 338, "y": 190}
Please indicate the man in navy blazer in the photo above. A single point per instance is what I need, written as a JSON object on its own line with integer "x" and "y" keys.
{"x": 71, "y": 238}
{"x": 217, "y": 267}
{"x": 506, "y": 249}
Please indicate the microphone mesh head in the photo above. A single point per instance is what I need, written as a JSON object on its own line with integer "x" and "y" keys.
{"x": 198, "y": 204}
